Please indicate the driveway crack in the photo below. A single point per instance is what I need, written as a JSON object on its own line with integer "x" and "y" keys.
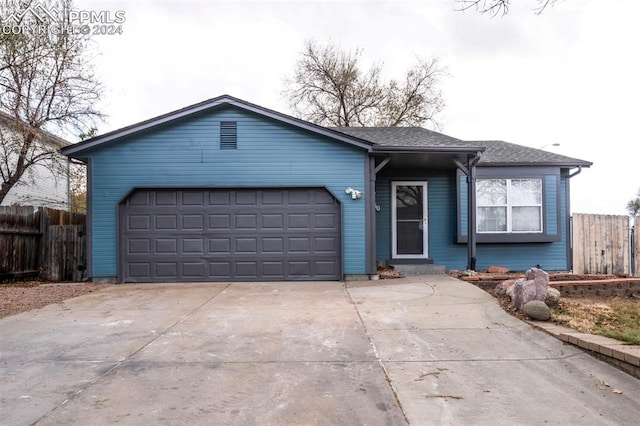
{"x": 377, "y": 355}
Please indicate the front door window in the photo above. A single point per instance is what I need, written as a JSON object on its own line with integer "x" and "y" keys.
{"x": 409, "y": 219}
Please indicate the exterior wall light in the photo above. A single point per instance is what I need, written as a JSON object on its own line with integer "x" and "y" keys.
{"x": 355, "y": 194}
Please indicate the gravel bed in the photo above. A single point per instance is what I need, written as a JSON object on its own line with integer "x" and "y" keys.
{"x": 25, "y": 296}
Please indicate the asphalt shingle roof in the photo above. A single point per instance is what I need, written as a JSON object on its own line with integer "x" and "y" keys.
{"x": 496, "y": 152}
{"x": 403, "y": 136}
{"x": 500, "y": 152}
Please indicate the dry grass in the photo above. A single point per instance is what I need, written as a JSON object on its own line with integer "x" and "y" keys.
{"x": 614, "y": 317}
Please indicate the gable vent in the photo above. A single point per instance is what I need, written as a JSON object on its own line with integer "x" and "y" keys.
{"x": 228, "y": 135}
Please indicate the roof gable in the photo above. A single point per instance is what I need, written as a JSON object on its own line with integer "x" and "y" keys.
{"x": 372, "y": 139}
{"x": 211, "y": 104}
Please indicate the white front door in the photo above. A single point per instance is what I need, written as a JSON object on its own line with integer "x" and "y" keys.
{"x": 409, "y": 230}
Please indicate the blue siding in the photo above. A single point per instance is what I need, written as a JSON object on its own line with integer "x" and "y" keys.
{"x": 551, "y": 197}
{"x": 443, "y": 216}
{"x": 383, "y": 219}
{"x": 464, "y": 205}
{"x": 186, "y": 153}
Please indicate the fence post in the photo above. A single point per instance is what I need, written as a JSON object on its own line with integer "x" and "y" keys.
{"x": 43, "y": 220}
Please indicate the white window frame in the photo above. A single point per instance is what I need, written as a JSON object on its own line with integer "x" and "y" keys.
{"x": 509, "y": 206}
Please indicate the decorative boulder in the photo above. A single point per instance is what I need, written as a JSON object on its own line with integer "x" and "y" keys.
{"x": 510, "y": 290}
{"x": 533, "y": 287}
{"x": 537, "y": 310}
{"x": 552, "y": 298}
{"x": 502, "y": 289}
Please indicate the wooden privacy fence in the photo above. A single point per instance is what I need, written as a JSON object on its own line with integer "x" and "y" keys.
{"x": 605, "y": 244}
{"x": 45, "y": 243}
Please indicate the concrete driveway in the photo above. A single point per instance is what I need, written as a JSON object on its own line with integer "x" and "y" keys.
{"x": 421, "y": 351}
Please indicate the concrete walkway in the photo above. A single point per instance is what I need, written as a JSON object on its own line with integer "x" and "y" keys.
{"x": 420, "y": 350}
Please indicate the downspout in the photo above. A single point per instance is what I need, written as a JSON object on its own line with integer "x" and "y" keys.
{"x": 576, "y": 173}
{"x": 570, "y": 227}
{"x": 68, "y": 184}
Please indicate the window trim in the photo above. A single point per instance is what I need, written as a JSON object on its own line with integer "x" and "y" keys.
{"x": 515, "y": 172}
{"x": 509, "y": 205}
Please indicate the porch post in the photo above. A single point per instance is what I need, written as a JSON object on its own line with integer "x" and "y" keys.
{"x": 471, "y": 213}
{"x": 370, "y": 216}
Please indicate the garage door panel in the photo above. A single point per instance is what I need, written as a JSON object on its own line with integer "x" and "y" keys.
{"x": 327, "y": 245}
{"x": 220, "y": 246}
{"x": 166, "y": 198}
{"x": 299, "y": 245}
{"x": 299, "y": 268}
{"x": 246, "y": 269}
{"x": 246, "y": 246}
{"x": 139, "y": 269}
{"x": 138, "y": 246}
{"x": 193, "y": 222}
{"x": 246, "y": 221}
{"x": 272, "y": 198}
{"x": 273, "y": 269}
{"x": 323, "y": 197}
{"x": 272, "y": 245}
{"x": 326, "y": 268}
{"x": 220, "y": 270}
{"x": 139, "y": 222}
{"x": 325, "y": 221}
{"x": 166, "y": 269}
{"x": 140, "y": 198}
{"x": 166, "y": 222}
{"x": 192, "y": 198}
{"x": 193, "y": 269}
{"x": 219, "y": 222}
{"x": 164, "y": 246}
{"x": 274, "y": 221}
{"x": 193, "y": 246}
{"x": 246, "y": 198}
{"x": 218, "y": 198}
{"x": 214, "y": 235}
{"x": 299, "y": 198}
{"x": 299, "y": 221}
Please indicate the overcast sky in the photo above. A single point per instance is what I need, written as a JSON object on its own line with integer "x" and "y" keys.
{"x": 569, "y": 76}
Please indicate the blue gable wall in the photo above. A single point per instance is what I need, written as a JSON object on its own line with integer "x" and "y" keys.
{"x": 185, "y": 153}
{"x": 443, "y": 227}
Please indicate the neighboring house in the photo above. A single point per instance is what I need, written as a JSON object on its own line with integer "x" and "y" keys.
{"x": 44, "y": 184}
{"x": 226, "y": 190}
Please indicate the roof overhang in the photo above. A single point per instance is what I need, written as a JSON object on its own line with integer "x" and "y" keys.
{"x": 425, "y": 157}
{"x": 539, "y": 164}
{"x": 220, "y": 101}
{"x": 471, "y": 150}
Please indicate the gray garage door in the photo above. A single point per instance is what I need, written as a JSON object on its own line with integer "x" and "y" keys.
{"x": 230, "y": 235}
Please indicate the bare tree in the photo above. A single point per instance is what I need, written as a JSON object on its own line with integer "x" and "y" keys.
{"x": 328, "y": 87}
{"x": 499, "y": 7}
{"x": 46, "y": 83}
